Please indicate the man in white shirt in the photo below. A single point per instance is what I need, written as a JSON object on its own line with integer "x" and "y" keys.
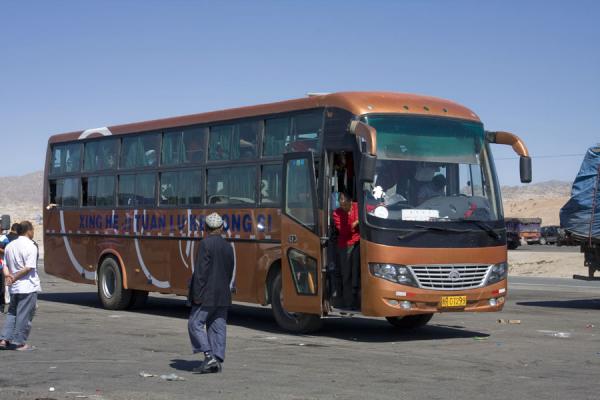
{"x": 23, "y": 284}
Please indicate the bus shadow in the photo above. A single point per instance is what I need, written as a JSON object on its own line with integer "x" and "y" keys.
{"x": 357, "y": 329}
{"x": 579, "y": 304}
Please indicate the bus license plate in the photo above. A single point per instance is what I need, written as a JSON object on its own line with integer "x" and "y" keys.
{"x": 454, "y": 301}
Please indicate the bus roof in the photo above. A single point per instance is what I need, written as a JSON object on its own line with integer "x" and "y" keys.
{"x": 357, "y": 103}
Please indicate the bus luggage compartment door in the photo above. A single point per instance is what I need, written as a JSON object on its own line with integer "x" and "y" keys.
{"x": 302, "y": 276}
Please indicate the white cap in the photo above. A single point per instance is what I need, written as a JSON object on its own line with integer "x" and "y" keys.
{"x": 214, "y": 221}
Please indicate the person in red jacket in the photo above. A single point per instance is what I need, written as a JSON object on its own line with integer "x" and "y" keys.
{"x": 345, "y": 219}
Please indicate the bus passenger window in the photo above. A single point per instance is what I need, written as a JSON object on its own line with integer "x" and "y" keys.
{"x": 219, "y": 145}
{"x": 244, "y": 140}
{"x": 126, "y": 190}
{"x": 105, "y": 191}
{"x": 140, "y": 151}
{"x": 145, "y": 185}
{"x": 190, "y": 188}
{"x": 306, "y": 129}
{"x": 100, "y": 155}
{"x": 66, "y": 158}
{"x": 277, "y": 132}
{"x": 270, "y": 185}
{"x": 66, "y": 192}
{"x": 231, "y": 185}
{"x": 99, "y": 191}
{"x": 193, "y": 145}
{"x": 171, "y": 149}
{"x": 168, "y": 188}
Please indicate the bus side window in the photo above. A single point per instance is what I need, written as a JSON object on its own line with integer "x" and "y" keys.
{"x": 66, "y": 158}
{"x": 65, "y": 192}
{"x": 244, "y": 140}
{"x": 100, "y": 155}
{"x": 193, "y": 145}
{"x": 140, "y": 151}
{"x": 98, "y": 191}
{"x": 235, "y": 185}
{"x": 277, "y": 132}
{"x": 270, "y": 184}
{"x": 126, "y": 190}
{"x": 306, "y": 129}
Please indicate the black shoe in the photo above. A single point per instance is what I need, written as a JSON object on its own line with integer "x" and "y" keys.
{"x": 210, "y": 365}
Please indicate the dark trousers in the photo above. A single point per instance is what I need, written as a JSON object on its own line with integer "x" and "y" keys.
{"x": 2, "y": 288}
{"x": 207, "y": 327}
{"x": 349, "y": 265}
{"x": 17, "y": 324}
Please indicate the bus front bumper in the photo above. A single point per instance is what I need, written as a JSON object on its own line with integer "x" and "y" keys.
{"x": 393, "y": 300}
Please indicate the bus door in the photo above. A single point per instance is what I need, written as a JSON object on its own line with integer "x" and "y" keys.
{"x": 302, "y": 276}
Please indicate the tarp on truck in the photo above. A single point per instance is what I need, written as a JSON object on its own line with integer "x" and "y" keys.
{"x": 581, "y": 214}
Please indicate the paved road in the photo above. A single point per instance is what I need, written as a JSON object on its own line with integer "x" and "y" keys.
{"x": 87, "y": 351}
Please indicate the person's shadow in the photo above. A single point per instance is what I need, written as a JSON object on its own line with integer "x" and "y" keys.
{"x": 185, "y": 365}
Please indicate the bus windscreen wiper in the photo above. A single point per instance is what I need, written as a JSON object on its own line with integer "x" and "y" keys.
{"x": 423, "y": 228}
{"x": 481, "y": 224}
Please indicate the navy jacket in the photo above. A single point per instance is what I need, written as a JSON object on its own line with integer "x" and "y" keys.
{"x": 212, "y": 280}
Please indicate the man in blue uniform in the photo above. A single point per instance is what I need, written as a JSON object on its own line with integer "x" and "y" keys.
{"x": 210, "y": 296}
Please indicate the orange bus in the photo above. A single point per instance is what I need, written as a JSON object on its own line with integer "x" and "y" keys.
{"x": 125, "y": 205}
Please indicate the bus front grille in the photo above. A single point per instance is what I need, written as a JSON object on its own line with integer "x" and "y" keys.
{"x": 450, "y": 277}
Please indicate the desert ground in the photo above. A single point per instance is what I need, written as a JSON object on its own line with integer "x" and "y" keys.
{"x": 21, "y": 198}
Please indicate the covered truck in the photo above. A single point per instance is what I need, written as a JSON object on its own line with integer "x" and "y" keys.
{"x": 522, "y": 231}
{"x": 580, "y": 216}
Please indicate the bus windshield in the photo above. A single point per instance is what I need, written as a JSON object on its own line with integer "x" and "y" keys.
{"x": 431, "y": 170}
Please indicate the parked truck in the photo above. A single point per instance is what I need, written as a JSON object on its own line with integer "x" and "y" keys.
{"x": 580, "y": 218}
{"x": 522, "y": 231}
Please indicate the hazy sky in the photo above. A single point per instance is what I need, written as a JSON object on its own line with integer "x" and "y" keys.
{"x": 529, "y": 67}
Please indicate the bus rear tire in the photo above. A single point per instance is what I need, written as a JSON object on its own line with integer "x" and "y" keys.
{"x": 410, "y": 321}
{"x": 138, "y": 299}
{"x": 110, "y": 286}
{"x": 292, "y": 322}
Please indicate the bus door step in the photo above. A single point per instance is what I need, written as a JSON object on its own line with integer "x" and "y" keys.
{"x": 341, "y": 312}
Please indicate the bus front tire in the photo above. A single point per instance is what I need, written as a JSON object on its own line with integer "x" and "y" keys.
{"x": 292, "y": 322}
{"x": 110, "y": 286}
{"x": 410, "y": 321}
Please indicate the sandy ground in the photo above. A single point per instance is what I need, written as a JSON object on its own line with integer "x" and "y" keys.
{"x": 546, "y": 263}
{"x": 545, "y": 208}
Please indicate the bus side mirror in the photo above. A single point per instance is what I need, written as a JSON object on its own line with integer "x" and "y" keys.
{"x": 525, "y": 169}
{"x": 367, "y": 168}
{"x": 518, "y": 146}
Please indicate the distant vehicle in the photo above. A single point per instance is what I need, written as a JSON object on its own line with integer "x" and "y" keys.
{"x": 522, "y": 231}
{"x": 549, "y": 234}
{"x": 579, "y": 216}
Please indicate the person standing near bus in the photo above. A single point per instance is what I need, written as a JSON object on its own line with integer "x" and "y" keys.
{"x": 345, "y": 218}
{"x": 24, "y": 284}
{"x": 210, "y": 296}
{"x": 4, "y": 241}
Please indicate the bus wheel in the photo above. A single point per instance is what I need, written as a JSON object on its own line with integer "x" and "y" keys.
{"x": 138, "y": 299}
{"x": 293, "y": 322}
{"x": 410, "y": 321}
{"x": 110, "y": 286}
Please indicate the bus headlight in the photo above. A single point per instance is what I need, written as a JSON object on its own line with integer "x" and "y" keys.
{"x": 393, "y": 273}
{"x": 498, "y": 272}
